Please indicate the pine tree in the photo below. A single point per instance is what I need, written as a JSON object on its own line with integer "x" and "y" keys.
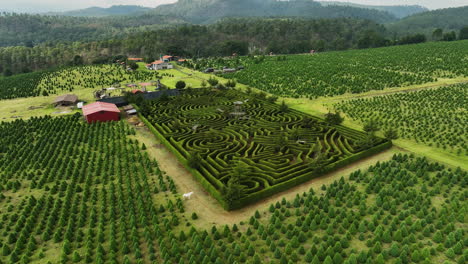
{"x": 76, "y": 257}
{"x": 66, "y": 247}
{"x": 309, "y": 256}
{"x": 277, "y": 254}
{"x": 194, "y": 216}
{"x": 450, "y": 253}
{"x": 337, "y": 258}
{"x": 6, "y": 250}
{"x": 380, "y": 259}
{"x": 394, "y": 250}
{"x": 328, "y": 260}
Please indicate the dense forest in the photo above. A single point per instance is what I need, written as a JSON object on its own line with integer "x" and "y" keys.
{"x": 31, "y": 30}
{"x": 240, "y": 36}
{"x": 399, "y": 11}
{"x": 208, "y": 11}
{"x": 37, "y": 42}
{"x": 447, "y": 19}
{"x": 237, "y": 35}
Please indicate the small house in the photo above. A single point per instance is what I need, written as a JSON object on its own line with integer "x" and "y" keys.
{"x": 135, "y": 59}
{"x": 167, "y": 58}
{"x": 161, "y": 65}
{"x": 101, "y": 112}
{"x": 66, "y": 100}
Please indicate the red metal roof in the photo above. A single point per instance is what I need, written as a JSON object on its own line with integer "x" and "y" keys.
{"x": 135, "y": 59}
{"x": 136, "y": 91}
{"x": 167, "y": 56}
{"x": 158, "y": 62}
{"x": 98, "y": 107}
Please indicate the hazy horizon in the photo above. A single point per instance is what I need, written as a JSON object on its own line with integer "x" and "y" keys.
{"x": 64, "y": 5}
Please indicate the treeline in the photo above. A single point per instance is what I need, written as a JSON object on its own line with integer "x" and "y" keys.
{"x": 241, "y": 36}
{"x": 449, "y": 19}
{"x": 31, "y": 30}
{"x": 210, "y": 11}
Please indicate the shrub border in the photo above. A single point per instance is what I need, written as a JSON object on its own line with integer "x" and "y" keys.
{"x": 252, "y": 198}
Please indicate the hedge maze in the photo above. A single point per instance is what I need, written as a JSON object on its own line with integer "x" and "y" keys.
{"x": 243, "y": 147}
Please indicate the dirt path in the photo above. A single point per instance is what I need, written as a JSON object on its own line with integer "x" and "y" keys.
{"x": 208, "y": 209}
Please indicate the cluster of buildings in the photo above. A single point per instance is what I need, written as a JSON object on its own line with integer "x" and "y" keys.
{"x": 94, "y": 112}
{"x": 163, "y": 63}
{"x": 105, "y": 111}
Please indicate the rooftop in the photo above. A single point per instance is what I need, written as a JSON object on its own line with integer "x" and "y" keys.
{"x": 66, "y": 98}
{"x": 98, "y": 107}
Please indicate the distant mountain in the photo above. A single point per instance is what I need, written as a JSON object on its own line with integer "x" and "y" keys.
{"x": 427, "y": 22}
{"x": 117, "y": 10}
{"x": 209, "y": 11}
{"x": 400, "y": 11}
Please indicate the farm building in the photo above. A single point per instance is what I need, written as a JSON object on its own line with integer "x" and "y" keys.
{"x": 136, "y": 59}
{"x": 161, "y": 65}
{"x": 136, "y": 91}
{"x": 66, "y": 100}
{"x": 168, "y": 58}
{"x": 101, "y": 112}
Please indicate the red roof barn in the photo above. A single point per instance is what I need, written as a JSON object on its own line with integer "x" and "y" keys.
{"x": 136, "y": 91}
{"x": 101, "y": 112}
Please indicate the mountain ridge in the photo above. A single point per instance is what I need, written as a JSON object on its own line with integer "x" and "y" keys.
{"x": 210, "y": 11}
{"x": 95, "y": 11}
{"x": 400, "y": 11}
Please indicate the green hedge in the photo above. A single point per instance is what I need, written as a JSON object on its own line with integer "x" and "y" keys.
{"x": 309, "y": 176}
{"x": 294, "y": 176}
{"x": 206, "y": 184}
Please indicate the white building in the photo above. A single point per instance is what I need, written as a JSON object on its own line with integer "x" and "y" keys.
{"x": 161, "y": 65}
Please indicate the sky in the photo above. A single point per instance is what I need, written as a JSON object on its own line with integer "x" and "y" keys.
{"x": 61, "y": 5}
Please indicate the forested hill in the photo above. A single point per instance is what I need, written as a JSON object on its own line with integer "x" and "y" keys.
{"x": 427, "y": 22}
{"x": 209, "y": 11}
{"x": 254, "y": 36}
{"x": 399, "y": 11}
{"x": 30, "y": 30}
{"x": 117, "y": 10}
